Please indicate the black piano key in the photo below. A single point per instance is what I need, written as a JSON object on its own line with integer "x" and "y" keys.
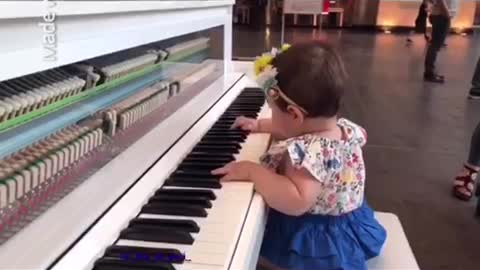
{"x": 245, "y": 114}
{"x": 187, "y": 192}
{"x": 247, "y": 103}
{"x": 240, "y": 109}
{"x": 208, "y": 141}
{"x": 210, "y": 155}
{"x": 205, "y": 165}
{"x": 227, "y": 127}
{"x": 174, "y": 209}
{"x": 170, "y": 224}
{"x": 224, "y": 137}
{"x": 199, "y": 158}
{"x": 193, "y": 178}
{"x": 227, "y": 133}
{"x": 193, "y": 200}
{"x": 194, "y": 183}
{"x": 216, "y": 149}
{"x": 218, "y": 143}
{"x": 111, "y": 263}
{"x": 227, "y": 118}
{"x": 194, "y": 174}
{"x": 132, "y": 253}
{"x": 156, "y": 235}
{"x": 227, "y": 130}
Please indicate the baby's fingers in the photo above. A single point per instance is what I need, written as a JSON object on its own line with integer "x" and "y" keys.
{"x": 221, "y": 171}
{"x": 226, "y": 178}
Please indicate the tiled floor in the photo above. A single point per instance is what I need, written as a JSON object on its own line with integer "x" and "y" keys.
{"x": 418, "y": 133}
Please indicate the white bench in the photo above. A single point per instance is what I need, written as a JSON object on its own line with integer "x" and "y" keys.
{"x": 397, "y": 253}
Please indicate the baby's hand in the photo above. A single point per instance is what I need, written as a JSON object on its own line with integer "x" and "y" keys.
{"x": 235, "y": 171}
{"x": 245, "y": 123}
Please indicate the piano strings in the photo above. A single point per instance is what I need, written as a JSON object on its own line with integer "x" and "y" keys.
{"x": 35, "y": 177}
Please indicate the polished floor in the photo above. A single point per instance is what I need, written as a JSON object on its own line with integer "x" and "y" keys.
{"x": 418, "y": 133}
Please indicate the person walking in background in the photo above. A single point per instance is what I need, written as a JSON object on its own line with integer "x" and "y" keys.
{"x": 420, "y": 23}
{"x": 464, "y": 183}
{"x": 442, "y": 12}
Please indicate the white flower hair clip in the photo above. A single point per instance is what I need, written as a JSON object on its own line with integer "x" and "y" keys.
{"x": 267, "y": 79}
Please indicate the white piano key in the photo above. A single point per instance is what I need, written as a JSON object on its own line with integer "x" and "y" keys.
{"x": 224, "y": 236}
{"x": 210, "y": 223}
{"x": 225, "y": 214}
{"x": 198, "y": 252}
{"x": 227, "y": 188}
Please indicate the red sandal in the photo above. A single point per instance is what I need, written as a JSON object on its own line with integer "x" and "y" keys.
{"x": 464, "y": 184}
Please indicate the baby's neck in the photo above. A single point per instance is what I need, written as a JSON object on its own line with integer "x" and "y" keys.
{"x": 320, "y": 125}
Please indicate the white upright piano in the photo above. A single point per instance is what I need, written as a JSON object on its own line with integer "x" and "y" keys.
{"x": 112, "y": 114}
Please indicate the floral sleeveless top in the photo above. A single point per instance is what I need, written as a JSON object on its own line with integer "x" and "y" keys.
{"x": 337, "y": 164}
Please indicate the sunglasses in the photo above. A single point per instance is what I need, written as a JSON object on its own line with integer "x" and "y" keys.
{"x": 275, "y": 93}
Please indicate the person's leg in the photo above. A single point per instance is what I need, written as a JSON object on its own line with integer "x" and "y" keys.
{"x": 465, "y": 181}
{"x": 475, "y": 90}
{"x": 439, "y": 32}
{"x": 447, "y": 31}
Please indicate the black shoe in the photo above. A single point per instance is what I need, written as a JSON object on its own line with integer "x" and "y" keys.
{"x": 474, "y": 93}
{"x": 435, "y": 78}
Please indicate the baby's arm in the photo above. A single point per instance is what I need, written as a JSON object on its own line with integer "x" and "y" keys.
{"x": 265, "y": 125}
{"x": 253, "y": 125}
{"x": 292, "y": 194}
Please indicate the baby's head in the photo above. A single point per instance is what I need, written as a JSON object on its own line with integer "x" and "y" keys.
{"x": 311, "y": 81}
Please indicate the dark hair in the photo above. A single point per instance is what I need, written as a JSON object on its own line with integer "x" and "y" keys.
{"x": 313, "y": 75}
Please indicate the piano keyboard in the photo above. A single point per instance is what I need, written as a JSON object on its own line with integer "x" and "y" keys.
{"x": 193, "y": 213}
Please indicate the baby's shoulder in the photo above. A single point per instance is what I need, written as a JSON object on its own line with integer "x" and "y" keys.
{"x": 354, "y": 132}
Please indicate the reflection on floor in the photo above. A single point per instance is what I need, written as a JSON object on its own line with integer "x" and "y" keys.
{"x": 418, "y": 133}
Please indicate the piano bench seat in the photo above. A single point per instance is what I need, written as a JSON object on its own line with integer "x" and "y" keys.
{"x": 397, "y": 254}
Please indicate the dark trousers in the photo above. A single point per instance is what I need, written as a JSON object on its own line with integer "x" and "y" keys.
{"x": 476, "y": 77}
{"x": 421, "y": 21}
{"x": 440, "y": 28}
{"x": 474, "y": 155}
